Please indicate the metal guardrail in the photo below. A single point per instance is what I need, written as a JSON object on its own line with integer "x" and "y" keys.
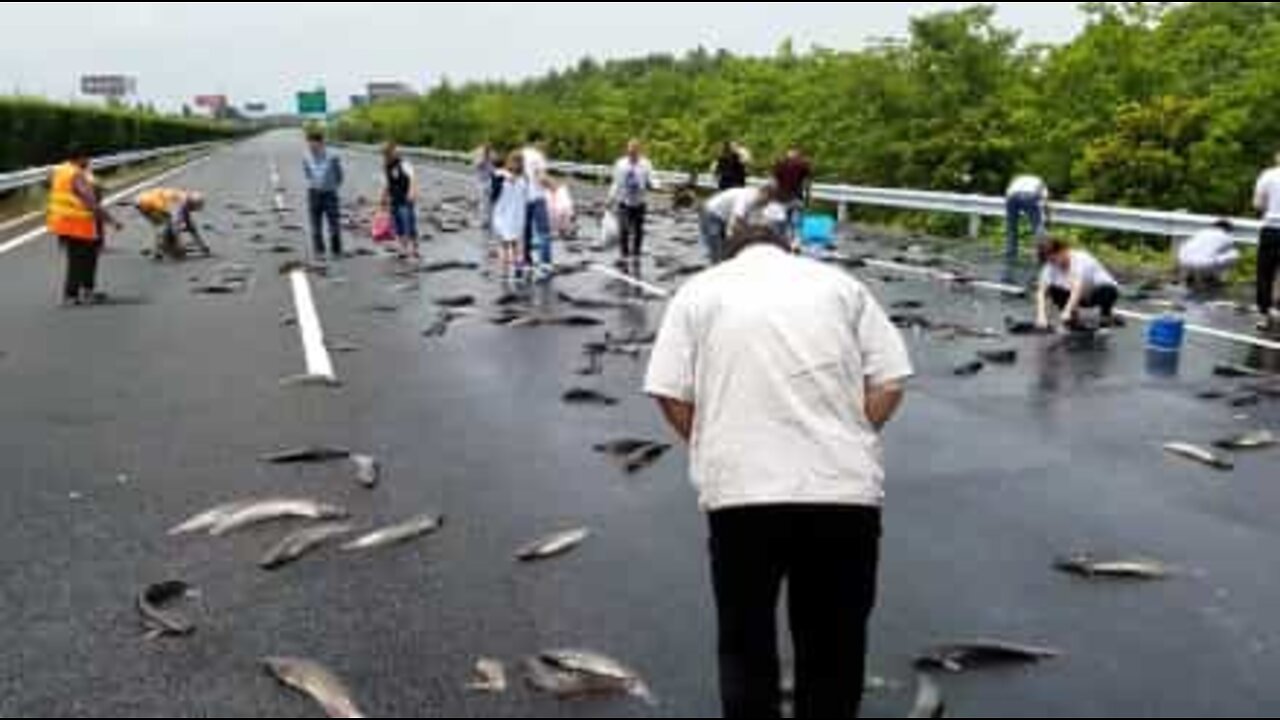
{"x": 976, "y": 207}
{"x": 38, "y": 176}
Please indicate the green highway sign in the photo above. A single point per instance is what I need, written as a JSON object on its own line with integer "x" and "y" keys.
{"x": 314, "y": 102}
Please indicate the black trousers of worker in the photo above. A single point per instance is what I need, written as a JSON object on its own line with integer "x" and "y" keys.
{"x": 632, "y": 219}
{"x": 1104, "y": 298}
{"x": 324, "y": 207}
{"x": 828, "y": 557}
{"x": 82, "y": 267}
{"x": 1268, "y": 266}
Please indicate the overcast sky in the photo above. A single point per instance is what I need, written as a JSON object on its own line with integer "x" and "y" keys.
{"x": 266, "y": 51}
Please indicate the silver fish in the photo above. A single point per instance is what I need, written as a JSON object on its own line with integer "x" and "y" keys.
{"x": 158, "y": 621}
{"x": 643, "y": 458}
{"x": 273, "y": 510}
{"x": 553, "y": 545}
{"x": 580, "y": 396}
{"x": 1200, "y": 455}
{"x": 305, "y": 381}
{"x": 963, "y": 657}
{"x": 1259, "y": 440}
{"x": 315, "y": 681}
{"x": 1087, "y": 566}
{"x": 489, "y": 676}
{"x": 316, "y": 454}
{"x": 412, "y": 529}
{"x": 208, "y": 519}
{"x": 598, "y": 669}
{"x": 298, "y": 544}
{"x": 368, "y": 470}
{"x": 929, "y": 702}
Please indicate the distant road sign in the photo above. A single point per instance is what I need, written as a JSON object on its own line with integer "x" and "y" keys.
{"x": 256, "y": 107}
{"x": 314, "y": 102}
{"x": 108, "y": 86}
{"x": 390, "y": 91}
{"x": 212, "y": 103}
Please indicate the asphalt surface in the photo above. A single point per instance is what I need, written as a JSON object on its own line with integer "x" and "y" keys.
{"x": 118, "y": 422}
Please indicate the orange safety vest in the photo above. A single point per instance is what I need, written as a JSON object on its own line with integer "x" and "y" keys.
{"x": 68, "y": 217}
{"x": 160, "y": 200}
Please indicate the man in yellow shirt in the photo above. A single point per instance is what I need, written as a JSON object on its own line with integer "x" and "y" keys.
{"x": 171, "y": 212}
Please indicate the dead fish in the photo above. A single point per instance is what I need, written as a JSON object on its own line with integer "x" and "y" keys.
{"x": 561, "y": 684}
{"x": 208, "y": 519}
{"x": 964, "y": 657}
{"x": 1024, "y": 327}
{"x": 218, "y": 289}
{"x": 553, "y": 545}
{"x": 1245, "y": 400}
{"x": 1257, "y": 440}
{"x": 1212, "y": 395}
{"x": 580, "y": 396}
{"x": 908, "y": 305}
{"x": 384, "y": 308}
{"x": 911, "y": 321}
{"x": 623, "y": 447}
{"x": 1086, "y": 566}
{"x": 411, "y": 529}
{"x": 158, "y": 621}
{"x": 449, "y": 266}
{"x": 644, "y": 458}
{"x": 489, "y": 676}
{"x": 314, "y": 454}
{"x": 288, "y": 321}
{"x": 458, "y": 301}
{"x": 1200, "y": 455}
{"x": 509, "y": 299}
{"x": 585, "y": 663}
{"x": 281, "y": 249}
{"x": 929, "y": 701}
{"x": 342, "y": 347}
{"x": 368, "y": 470}
{"x": 571, "y": 321}
{"x": 1237, "y": 371}
{"x": 308, "y": 380}
{"x": 298, "y": 544}
{"x": 588, "y": 303}
{"x": 999, "y": 357}
{"x": 439, "y": 328}
{"x": 315, "y": 681}
{"x": 291, "y": 227}
{"x": 970, "y": 369}
{"x": 273, "y": 510}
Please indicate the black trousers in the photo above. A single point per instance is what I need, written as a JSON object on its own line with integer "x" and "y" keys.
{"x": 82, "y": 267}
{"x": 1268, "y": 266}
{"x": 828, "y": 557}
{"x": 1104, "y": 298}
{"x": 324, "y": 207}
{"x": 632, "y": 219}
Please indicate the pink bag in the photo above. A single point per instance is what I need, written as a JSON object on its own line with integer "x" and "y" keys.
{"x": 384, "y": 230}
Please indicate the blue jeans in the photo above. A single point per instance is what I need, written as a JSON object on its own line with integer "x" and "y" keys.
{"x": 537, "y": 232}
{"x": 715, "y": 233}
{"x": 405, "y": 217}
{"x": 1020, "y": 206}
{"x": 323, "y": 207}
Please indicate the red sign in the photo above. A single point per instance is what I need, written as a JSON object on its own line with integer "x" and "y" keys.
{"x": 215, "y": 103}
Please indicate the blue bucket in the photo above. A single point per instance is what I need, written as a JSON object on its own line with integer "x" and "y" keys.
{"x": 1167, "y": 334}
{"x": 818, "y": 231}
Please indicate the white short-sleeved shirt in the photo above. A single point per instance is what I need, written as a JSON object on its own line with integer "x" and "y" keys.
{"x": 775, "y": 352}
{"x": 1269, "y": 193}
{"x": 535, "y": 171}
{"x": 1028, "y": 185}
{"x": 1084, "y": 267}
{"x": 732, "y": 204}
{"x": 1207, "y": 250}
{"x": 632, "y": 181}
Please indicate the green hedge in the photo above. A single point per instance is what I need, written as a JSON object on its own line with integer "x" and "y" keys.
{"x": 35, "y": 133}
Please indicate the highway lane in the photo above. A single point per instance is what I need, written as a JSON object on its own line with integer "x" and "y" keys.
{"x": 120, "y": 421}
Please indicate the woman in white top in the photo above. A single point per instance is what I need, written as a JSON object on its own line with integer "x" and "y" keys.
{"x": 1073, "y": 280}
{"x": 511, "y": 210}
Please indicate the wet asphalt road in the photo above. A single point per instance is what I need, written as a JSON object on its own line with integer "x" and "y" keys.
{"x": 118, "y": 422}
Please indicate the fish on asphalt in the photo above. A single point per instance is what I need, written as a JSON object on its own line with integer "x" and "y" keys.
{"x": 307, "y": 380}
{"x": 307, "y": 455}
{"x": 368, "y": 470}
{"x": 299, "y": 543}
{"x": 591, "y": 303}
{"x": 964, "y": 657}
{"x": 970, "y": 369}
{"x": 644, "y": 458}
{"x": 207, "y": 520}
{"x": 1256, "y": 440}
{"x": 553, "y": 546}
{"x": 1025, "y": 327}
{"x": 412, "y": 529}
{"x": 623, "y": 447}
{"x": 911, "y": 321}
{"x": 1227, "y": 370}
{"x": 316, "y": 682}
{"x": 342, "y": 347}
{"x": 581, "y": 396}
{"x": 999, "y": 357}
{"x": 456, "y": 301}
{"x": 160, "y": 622}
{"x": 449, "y": 266}
{"x": 1201, "y": 455}
{"x": 908, "y": 305}
{"x": 929, "y": 702}
{"x": 489, "y": 677}
{"x": 1086, "y": 566}
{"x": 570, "y": 321}
{"x": 570, "y": 675}
{"x": 266, "y": 511}
{"x": 227, "y": 288}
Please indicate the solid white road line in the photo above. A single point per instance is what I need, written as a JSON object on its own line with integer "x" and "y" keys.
{"x": 40, "y": 232}
{"x": 319, "y": 364}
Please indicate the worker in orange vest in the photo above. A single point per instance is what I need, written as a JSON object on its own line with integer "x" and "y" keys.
{"x": 77, "y": 218}
{"x": 170, "y": 212}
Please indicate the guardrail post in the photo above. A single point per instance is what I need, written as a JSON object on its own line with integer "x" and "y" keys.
{"x": 842, "y": 213}
{"x": 975, "y": 226}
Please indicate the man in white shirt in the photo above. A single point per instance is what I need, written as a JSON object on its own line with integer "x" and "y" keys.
{"x": 1073, "y": 280}
{"x": 781, "y": 372}
{"x": 1267, "y": 201}
{"x": 1028, "y": 197}
{"x": 632, "y": 181}
{"x": 724, "y": 212}
{"x": 537, "y": 232}
{"x": 1206, "y": 258}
